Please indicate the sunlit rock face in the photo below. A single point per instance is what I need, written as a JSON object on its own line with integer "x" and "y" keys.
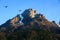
{"x": 29, "y": 13}
{"x": 15, "y": 21}
{"x": 32, "y": 13}
{"x": 11, "y": 24}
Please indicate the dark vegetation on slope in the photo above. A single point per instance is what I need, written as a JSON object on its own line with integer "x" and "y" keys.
{"x": 34, "y": 34}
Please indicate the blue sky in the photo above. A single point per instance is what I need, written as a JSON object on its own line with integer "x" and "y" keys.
{"x": 49, "y": 8}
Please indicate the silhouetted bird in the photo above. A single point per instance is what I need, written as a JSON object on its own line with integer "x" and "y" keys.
{"x": 5, "y": 6}
{"x": 19, "y": 10}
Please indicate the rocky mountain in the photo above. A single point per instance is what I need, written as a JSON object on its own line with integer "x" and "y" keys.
{"x": 33, "y": 26}
{"x": 30, "y": 19}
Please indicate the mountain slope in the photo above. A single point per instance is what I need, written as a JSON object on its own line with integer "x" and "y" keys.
{"x": 32, "y": 27}
{"x": 38, "y": 21}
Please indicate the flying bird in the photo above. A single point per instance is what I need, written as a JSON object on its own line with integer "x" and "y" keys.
{"x": 5, "y": 6}
{"x": 19, "y": 10}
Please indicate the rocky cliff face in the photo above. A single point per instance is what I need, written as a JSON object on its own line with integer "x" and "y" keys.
{"x": 15, "y": 21}
{"x": 30, "y": 20}
{"x": 11, "y": 24}
{"x": 29, "y": 13}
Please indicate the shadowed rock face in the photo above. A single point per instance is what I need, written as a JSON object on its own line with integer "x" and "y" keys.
{"x": 39, "y": 21}
{"x": 30, "y": 20}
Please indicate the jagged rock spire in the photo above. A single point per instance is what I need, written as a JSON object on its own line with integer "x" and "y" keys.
{"x": 28, "y": 13}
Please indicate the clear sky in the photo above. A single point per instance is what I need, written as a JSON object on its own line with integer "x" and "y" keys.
{"x": 50, "y": 8}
